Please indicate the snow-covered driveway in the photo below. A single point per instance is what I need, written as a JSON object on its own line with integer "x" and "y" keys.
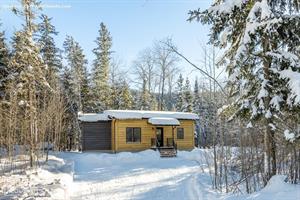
{"x": 141, "y": 175}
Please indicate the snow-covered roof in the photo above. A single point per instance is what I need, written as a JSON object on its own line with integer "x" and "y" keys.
{"x": 164, "y": 121}
{"x": 92, "y": 117}
{"x": 134, "y": 114}
{"x": 143, "y": 114}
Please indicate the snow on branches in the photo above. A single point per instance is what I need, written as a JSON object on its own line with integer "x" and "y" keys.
{"x": 261, "y": 39}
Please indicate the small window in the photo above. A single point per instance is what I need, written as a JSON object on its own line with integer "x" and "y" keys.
{"x": 180, "y": 133}
{"x": 133, "y": 135}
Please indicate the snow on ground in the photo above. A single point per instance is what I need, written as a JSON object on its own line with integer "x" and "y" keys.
{"x": 276, "y": 189}
{"x": 142, "y": 175}
{"x": 47, "y": 182}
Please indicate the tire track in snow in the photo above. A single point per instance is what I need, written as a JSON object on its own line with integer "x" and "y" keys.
{"x": 198, "y": 189}
{"x": 175, "y": 178}
{"x": 193, "y": 191}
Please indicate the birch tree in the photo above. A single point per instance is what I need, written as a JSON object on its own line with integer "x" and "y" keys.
{"x": 166, "y": 61}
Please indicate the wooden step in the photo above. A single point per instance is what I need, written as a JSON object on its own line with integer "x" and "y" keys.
{"x": 168, "y": 152}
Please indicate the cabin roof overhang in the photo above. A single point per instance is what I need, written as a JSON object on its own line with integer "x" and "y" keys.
{"x": 163, "y": 121}
{"x": 108, "y": 115}
{"x": 92, "y": 117}
{"x": 142, "y": 114}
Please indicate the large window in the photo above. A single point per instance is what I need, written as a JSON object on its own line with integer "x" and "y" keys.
{"x": 180, "y": 133}
{"x": 133, "y": 134}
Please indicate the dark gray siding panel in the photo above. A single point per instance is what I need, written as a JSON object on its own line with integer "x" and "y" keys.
{"x": 96, "y": 135}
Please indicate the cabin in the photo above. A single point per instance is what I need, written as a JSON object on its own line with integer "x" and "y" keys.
{"x": 136, "y": 130}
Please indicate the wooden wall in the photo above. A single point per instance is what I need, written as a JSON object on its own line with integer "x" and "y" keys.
{"x": 96, "y": 135}
{"x": 189, "y": 129}
{"x": 148, "y": 132}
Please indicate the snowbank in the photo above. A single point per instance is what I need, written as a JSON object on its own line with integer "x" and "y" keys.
{"x": 200, "y": 155}
{"x": 276, "y": 189}
{"x": 50, "y": 181}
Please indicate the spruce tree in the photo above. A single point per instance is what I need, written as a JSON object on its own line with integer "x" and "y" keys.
{"x": 72, "y": 129}
{"x": 179, "y": 94}
{"x": 77, "y": 63}
{"x": 187, "y": 96}
{"x": 100, "y": 70}
{"x": 50, "y": 53}
{"x": 262, "y": 42}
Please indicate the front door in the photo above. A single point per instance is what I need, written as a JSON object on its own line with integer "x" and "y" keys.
{"x": 160, "y": 137}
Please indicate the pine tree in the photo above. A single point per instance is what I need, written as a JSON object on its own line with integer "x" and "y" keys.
{"x": 179, "y": 94}
{"x": 187, "y": 96}
{"x": 100, "y": 70}
{"x": 77, "y": 63}
{"x": 4, "y": 58}
{"x": 50, "y": 53}
{"x": 262, "y": 42}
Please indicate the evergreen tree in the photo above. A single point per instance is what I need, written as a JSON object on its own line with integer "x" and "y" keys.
{"x": 154, "y": 103}
{"x": 100, "y": 71}
{"x": 196, "y": 98}
{"x": 114, "y": 94}
{"x": 4, "y": 58}
{"x": 28, "y": 77}
{"x": 50, "y": 53}
{"x": 179, "y": 94}
{"x": 197, "y": 105}
{"x": 262, "y": 42}
{"x": 126, "y": 98}
{"x": 121, "y": 96}
{"x": 145, "y": 98}
{"x": 72, "y": 129}
{"x": 77, "y": 63}
{"x": 187, "y": 96}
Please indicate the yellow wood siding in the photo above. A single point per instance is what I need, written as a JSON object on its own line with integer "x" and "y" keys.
{"x": 148, "y": 132}
{"x": 189, "y": 129}
{"x": 113, "y": 147}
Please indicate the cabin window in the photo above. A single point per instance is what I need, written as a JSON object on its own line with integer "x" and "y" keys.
{"x": 180, "y": 133}
{"x": 133, "y": 134}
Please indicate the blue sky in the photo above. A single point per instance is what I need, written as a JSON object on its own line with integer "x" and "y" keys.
{"x": 134, "y": 24}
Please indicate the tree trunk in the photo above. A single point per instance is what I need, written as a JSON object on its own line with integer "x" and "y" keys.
{"x": 269, "y": 142}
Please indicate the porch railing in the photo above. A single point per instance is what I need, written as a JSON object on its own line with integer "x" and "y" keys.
{"x": 153, "y": 142}
{"x": 170, "y": 143}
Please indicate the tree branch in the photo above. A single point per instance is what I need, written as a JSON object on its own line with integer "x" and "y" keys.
{"x": 195, "y": 66}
